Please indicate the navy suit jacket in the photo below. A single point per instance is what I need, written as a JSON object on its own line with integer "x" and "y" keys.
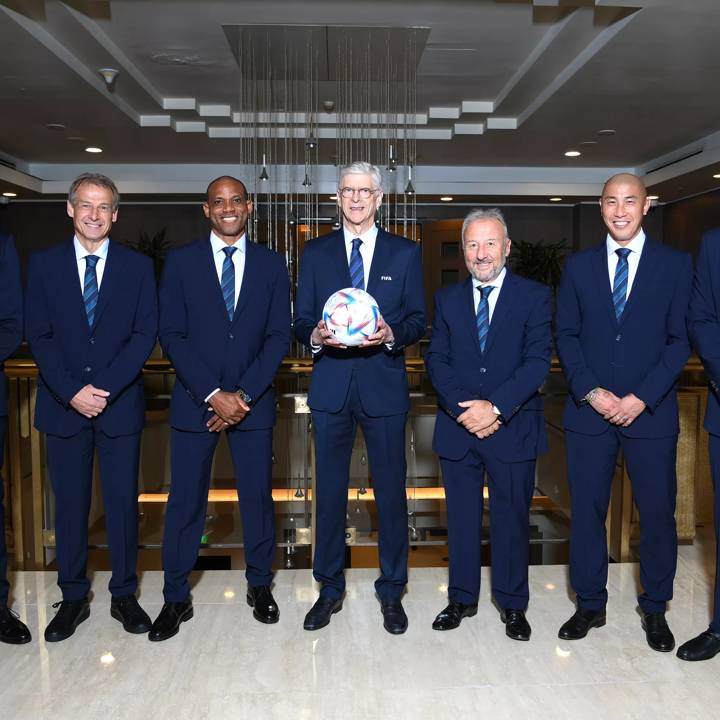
{"x": 643, "y": 353}
{"x": 508, "y": 373}
{"x": 396, "y": 283}
{"x": 206, "y": 349}
{"x": 10, "y": 310}
{"x": 109, "y": 355}
{"x": 704, "y": 322}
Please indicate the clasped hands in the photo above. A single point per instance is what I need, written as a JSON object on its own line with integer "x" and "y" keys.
{"x": 479, "y": 418}
{"x": 90, "y": 401}
{"x": 618, "y": 411}
{"x": 322, "y": 336}
{"x": 229, "y": 409}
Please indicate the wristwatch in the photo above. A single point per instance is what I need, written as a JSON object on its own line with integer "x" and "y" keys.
{"x": 244, "y": 396}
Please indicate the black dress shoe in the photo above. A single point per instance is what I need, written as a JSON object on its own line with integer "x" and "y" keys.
{"x": 394, "y": 618}
{"x": 127, "y": 610}
{"x": 516, "y": 626}
{"x": 451, "y": 616}
{"x": 657, "y": 632}
{"x": 321, "y": 612}
{"x": 168, "y": 622}
{"x": 703, "y": 647}
{"x": 68, "y": 617}
{"x": 580, "y": 623}
{"x": 12, "y": 630}
{"x": 265, "y": 609}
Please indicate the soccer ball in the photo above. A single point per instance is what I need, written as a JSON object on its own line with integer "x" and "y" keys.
{"x": 351, "y": 315}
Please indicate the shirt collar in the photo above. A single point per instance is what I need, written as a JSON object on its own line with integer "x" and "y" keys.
{"x": 81, "y": 253}
{"x": 635, "y": 245}
{"x": 496, "y": 283}
{"x": 368, "y": 237}
{"x": 218, "y": 244}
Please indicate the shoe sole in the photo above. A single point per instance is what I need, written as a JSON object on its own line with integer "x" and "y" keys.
{"x": 521, "y": 638}
{"x": 134, "y": 631}
{"x": 657, "y": 648}
{"x": 395, "y": 631}
{"x": 16, "y": 641}
{"x": 468, "y": 614}
{"x": 695, "y": 659}
{"x": 325, "y": 624}
{"x": 186, "y": 616}
{"x": 82, "y": 618}
{"x": 261, "y": 618}
{"x": 600, "y": 624}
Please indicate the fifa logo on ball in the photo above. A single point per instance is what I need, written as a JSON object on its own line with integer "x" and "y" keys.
{"x": 351, "y": 315}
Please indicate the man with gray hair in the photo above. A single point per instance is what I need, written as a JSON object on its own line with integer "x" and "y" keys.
{"x": 365, "y": 385}
{"x": 91, "y": 321}
{"x": 489, "y": 354}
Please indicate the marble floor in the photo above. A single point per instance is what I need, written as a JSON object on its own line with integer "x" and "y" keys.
{"x": 224, "y": 664}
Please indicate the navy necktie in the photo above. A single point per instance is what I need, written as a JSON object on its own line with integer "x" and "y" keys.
{"x": 621, "y": 281}
{"x": 90, "y": 287}
{"x": 482, "y": 318}
{"x": 227, "y": 281}
{"x": 357, "y": 270}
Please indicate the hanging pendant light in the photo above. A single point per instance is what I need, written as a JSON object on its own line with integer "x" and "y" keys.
{"x": 264, "y": 174}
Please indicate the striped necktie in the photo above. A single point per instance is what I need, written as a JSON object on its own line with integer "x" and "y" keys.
{"x": 227, "y": 281}
{"x": 621, "y": 281}
{"x": 90, "y": 287}
{"x": 357, "y": 270}
{"x": 483, "y": 315}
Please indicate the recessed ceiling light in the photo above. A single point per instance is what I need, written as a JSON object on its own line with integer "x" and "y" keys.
{"x": 9, "y": 194}
{"x": 587, "y": 143}
{"x": 92, "y": 149}
{"x": 446, "y": 198}
{"x": 55, "y": 126}
{"x": 605, "y": 133}
{"x": 75, "y": 138}
{"x": 653, "y": 197}
{"x": 333, "y": 197}
{"x": 717, "y": 176}
{"x": 572, "y": 153}
{"x": 555, "y": 199}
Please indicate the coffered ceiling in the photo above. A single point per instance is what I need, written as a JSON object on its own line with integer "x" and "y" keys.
{"x": 504, "y": 89}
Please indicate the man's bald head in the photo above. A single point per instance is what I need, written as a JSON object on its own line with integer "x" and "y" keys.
{"x": 625, "y": 179}
{"x": 225, "y": 179}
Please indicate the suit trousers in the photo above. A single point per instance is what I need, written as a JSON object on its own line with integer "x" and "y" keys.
{"x": 715, "y": 467}
{"x": 4, "y": 584}
{"x": 591, "y": 466}
{"x": 510, "y": 489}
{"x": 191, "y": 459}
{"x": 385, "y": 441}
{"x": 70, "y": 464}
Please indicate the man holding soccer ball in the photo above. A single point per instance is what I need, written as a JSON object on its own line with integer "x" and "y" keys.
{"x": 364, "y": 384}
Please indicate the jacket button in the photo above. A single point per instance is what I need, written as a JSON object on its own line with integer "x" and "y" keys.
{"x": 618, "y": 338}
{"x": 92, "y": 341}
{"x": 231, "y": 336}
{"x": 88, "y": 369}
{"x": 482, "y": 370}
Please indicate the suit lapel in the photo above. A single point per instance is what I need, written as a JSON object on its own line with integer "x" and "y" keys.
{"x": 467, "y": 310}
{"x": 643, "y": 278}
{"x": 112, "y": 274}
{"x": 250, "y": 278}
{"x": 70, "y": 282}
{"x": 208, "y": 273}
{"x": 502, "y": 305}
{"x": 339, "y": 255}
{"x": 602, "y": 279}
{"x": 380, "y": 260}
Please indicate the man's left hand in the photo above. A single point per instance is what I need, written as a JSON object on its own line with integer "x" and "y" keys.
{"x": 629, "y": 408}
{"x": 382, "y": 336}
{"x": 478, "y": 416}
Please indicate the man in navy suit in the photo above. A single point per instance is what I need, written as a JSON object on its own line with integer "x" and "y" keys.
{"x": 704, "y": 327}
{"x": 225, "y": 325}
{"x": 366, "y": 385}
{"x": 12, "y": 630}
{"x": 91, "y": 321}
{"x": 622, "y": 342}
{"x": 489, "y": 354}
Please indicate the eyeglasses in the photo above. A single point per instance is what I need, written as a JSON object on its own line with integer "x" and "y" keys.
{"x": 365, "y": 193}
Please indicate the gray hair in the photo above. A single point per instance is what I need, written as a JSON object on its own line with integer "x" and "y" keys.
{"x": 360, "y": 167}
{"x": 478, "y": 214}
{"x": 102, "y": 181}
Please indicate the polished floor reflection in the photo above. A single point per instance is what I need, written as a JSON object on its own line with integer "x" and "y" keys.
{"x": 224, "y": 664}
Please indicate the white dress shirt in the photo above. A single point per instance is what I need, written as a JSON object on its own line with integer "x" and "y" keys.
{"x": 367, "y": 248}
{"x": 493, "y": 297}
{"x": 81, "y": 253}
{"x": 636, "y": 247}
{"x": 238, "y": 259}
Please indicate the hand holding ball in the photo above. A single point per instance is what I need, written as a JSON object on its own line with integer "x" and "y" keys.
{"x": 351, "y": 315}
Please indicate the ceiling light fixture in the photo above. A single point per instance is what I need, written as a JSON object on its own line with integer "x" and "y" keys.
{"x": 717, "y": 176}
{"x": 573, "y": 153}
{"x": 606, "y": 133}
{"x": 653, "y": 197}
{"x": 446, "y": 198}
{"x": 109, "y": 75}
{"x": 55, "y": 126}
{"x": 9, "y": 194}
{"x": 555, "y": 199}
{"x": 93, "y": 149}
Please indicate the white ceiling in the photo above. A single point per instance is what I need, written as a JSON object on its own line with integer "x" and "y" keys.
{"x": 504, "y": 88}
